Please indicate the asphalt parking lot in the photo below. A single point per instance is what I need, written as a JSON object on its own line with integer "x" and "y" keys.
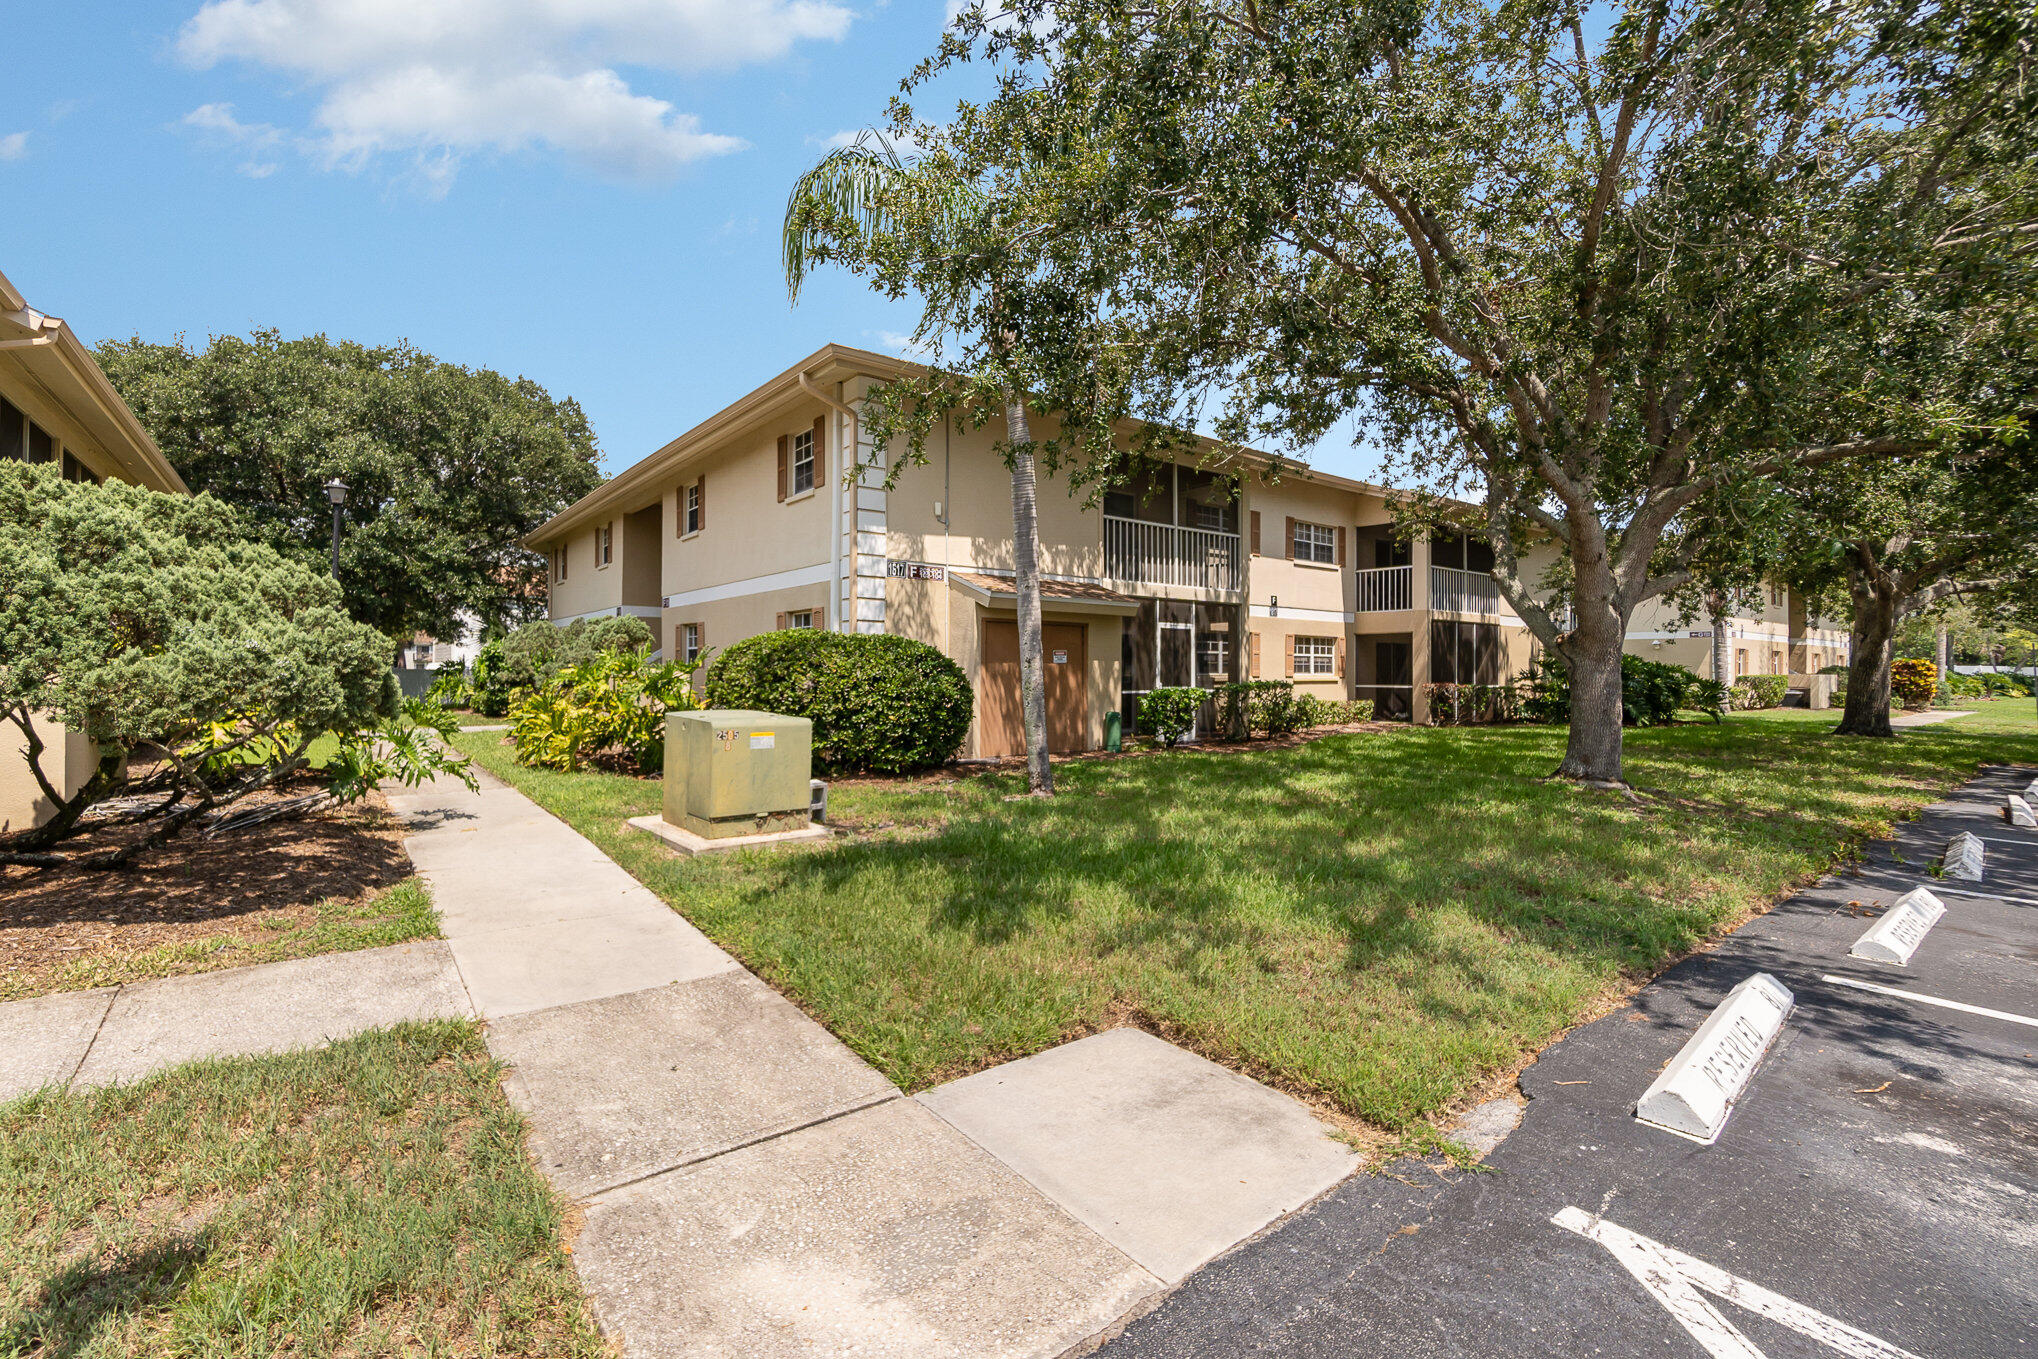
{"x": 1873, "y": 1193}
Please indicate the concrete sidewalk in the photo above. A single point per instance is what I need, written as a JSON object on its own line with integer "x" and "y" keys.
{"x": 752, "y": 1188}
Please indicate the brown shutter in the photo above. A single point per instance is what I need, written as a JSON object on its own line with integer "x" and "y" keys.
{"x": 1340, "y": 650}
{"x": 1291, "y": 552}
{"x": 679, "y": 513}
{"x": 1340, "y": 544}
{"x": 784, "y": 440}
{"x": 1252, "y": 651}
{"x": 678, "y": 643}
{"x": 700, "y": 499}
{"x": 820, "y": 438}
{"x": 1291, "y": 655}
{"x": 781, "y": 623}
{"x": 1256, "y": 533}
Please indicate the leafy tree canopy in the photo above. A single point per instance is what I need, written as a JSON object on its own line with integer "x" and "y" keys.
{"x": 1585, "y": 266}
{"x": 447, "y": 467}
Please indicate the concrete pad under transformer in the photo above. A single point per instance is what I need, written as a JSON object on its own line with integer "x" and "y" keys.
{"x": 884, "y": 1233}
{"x": 688, "y": 843}
{"x": 272, "y": 1007}
{"x": 1171, "y": 1158}
{"x": 43, "y": 1039}
{"x": 624, "y": 1087}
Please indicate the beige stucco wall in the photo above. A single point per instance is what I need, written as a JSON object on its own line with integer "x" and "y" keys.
{"x": 979, "y": 496}
{"x": 1271, "y": 574}
{"x": 725, "y": 622}
{"x": 749, "y": 532}
{"x": 67, "y": 760}
{"x": 585, "y": 589}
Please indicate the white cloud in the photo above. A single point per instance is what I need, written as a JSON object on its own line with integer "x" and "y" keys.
{"x": 13, "y": 146}
{"x": 217, "y": 125}
{"x": 441, "y": 79}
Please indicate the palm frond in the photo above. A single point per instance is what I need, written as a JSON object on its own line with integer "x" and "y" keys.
{"x": 859, "y": 185}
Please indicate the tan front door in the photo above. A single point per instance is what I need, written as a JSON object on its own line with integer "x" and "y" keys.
{"x": 1004, "y": 728}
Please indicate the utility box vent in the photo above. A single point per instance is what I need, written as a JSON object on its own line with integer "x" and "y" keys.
{"x": 733, "y": 772}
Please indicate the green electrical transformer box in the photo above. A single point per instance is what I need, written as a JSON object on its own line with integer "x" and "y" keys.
{"x": 732, "y": 772}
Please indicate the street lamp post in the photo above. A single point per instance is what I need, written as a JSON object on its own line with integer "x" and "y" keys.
{"x": 336, "y": 491}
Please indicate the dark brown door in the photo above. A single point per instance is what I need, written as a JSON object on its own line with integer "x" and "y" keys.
{"x": 1004, "y": 727}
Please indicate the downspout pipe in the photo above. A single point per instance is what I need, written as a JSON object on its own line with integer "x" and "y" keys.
{"x": 829, "y": 399}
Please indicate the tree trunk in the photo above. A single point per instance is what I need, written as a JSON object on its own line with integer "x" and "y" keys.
{"x": 1873, "y": 629}
{"x": 1944, "y": 654}
{"x": 1026, "y": 564}
{"x": 1721, "y": 670}
{"x": 1592, "y": 652}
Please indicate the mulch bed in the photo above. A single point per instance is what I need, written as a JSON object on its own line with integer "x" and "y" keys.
{"x": 243, "y": 884}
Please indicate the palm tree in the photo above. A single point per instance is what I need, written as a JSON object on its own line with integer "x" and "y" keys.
{"x": 864, "y": 202}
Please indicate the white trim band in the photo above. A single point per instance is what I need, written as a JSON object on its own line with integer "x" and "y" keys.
{"x": 820, "y": 574}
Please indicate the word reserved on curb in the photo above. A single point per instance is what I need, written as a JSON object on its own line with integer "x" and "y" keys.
{"x": 1895, "y": 937}
{"x": 1696, "y": 1091}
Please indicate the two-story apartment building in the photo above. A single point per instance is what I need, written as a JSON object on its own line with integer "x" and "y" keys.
{"x": 57, "y": 407}
{"x": 1194, "y": 575}
{"x": 1779, "y": 636}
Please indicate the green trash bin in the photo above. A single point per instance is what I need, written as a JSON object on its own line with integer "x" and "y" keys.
{"x": 1114, "y": 732}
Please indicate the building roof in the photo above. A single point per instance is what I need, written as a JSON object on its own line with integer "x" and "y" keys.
{"x": 49, "y": 354}
{"x": 645, "y": 481}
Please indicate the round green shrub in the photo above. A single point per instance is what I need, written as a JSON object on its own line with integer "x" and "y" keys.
{"x": 1170, "y": 714}
{"x": 879, "y": 704}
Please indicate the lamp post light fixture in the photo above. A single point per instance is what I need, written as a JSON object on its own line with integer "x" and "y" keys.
{"x": 336, "y": 491}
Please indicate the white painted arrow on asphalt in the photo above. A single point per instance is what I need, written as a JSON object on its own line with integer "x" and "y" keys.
{"x": 1675, "y": 1280}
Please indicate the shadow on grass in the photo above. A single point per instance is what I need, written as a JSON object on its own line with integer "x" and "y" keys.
{"x": 75, "y": 1304}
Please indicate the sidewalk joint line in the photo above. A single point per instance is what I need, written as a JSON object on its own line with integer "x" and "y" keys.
{"x": 97, "y": 1029}
{"x": 757, "y": 1141}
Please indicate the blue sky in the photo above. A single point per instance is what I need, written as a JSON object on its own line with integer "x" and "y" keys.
{"x": 585, "y": 192}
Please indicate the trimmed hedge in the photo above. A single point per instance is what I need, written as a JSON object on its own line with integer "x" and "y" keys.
{"x": 1915, "y": 682}
{"x": 1651, "y": 691}
{"x": 879, "y": 704}
{"x": 1753, "y": 692}
{"x": 1169, "y": 714}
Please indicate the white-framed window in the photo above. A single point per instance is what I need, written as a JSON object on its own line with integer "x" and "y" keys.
{"x": 605, "y": 544}
{"x": 803, "y": 462}
{"x": 800, "y": 618}
{"x": 559, "y": 562}
{"x": 1213, "y": 656}
{"x": 691, "y": 518}
{"x": 1214, "y": 517}
{"x": 1315, "y": 542}
{"x": 1776, "y": 596}
{"x": 1315, "y": 655}
{"x": 688, "y": 643}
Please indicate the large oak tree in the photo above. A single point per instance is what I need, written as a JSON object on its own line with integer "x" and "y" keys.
{"x": 447, "y": 467}
{"x": 1585, "y": 267}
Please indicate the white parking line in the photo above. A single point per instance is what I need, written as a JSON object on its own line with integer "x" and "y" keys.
{"x": 1982, "y": 896}
{"x": 1931, "y": 1000}
{"x": 1674, "y": 1279}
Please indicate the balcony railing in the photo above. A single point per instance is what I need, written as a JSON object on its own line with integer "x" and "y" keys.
{"x": 1385, "y": 589}
{"x": 1455, "y": 591}
{"x": 1162, "y": 554}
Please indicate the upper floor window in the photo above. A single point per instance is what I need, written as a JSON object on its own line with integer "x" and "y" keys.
{"x": 690, "y": 517}
{"x": 1215, "y": 517}
{"x": 605, "y": 544}
{"x": 1776, "y": 596}
{"x": 1315, "y": 542}
{"x": 803, "y": 462}
{"x": 1315, "y": 655}
{"x": 688, "y": 642}
{"x": 559, "y": 562}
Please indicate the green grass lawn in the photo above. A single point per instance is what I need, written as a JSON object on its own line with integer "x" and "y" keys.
{"x": 371, "y": 1198}
{"x": 1382, "y": 920}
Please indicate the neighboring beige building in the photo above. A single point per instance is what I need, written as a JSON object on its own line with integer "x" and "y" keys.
{"x": 1779, "y": 638}
{"x": 1199, "y": 575}
{"x": 57, "y": 407}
